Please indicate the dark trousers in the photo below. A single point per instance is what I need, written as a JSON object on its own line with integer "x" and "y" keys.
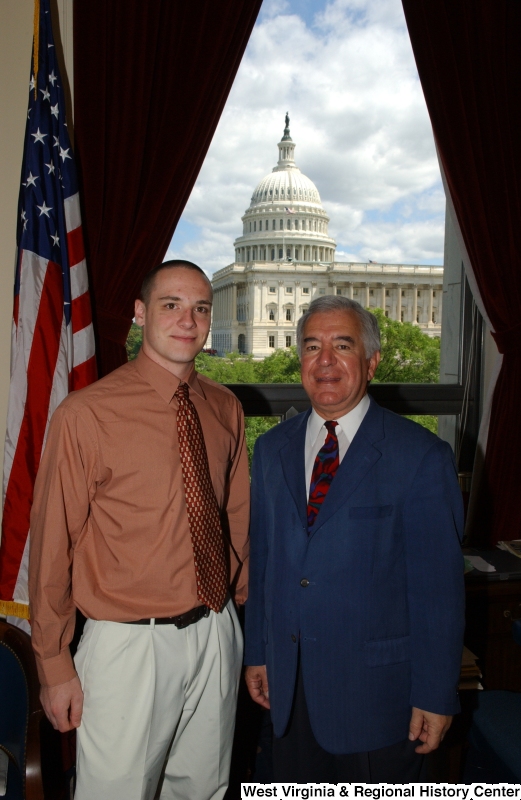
{"x": 298, "y": 758}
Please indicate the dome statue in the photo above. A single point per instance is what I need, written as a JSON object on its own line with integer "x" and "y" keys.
{"x": 285, "y": 219}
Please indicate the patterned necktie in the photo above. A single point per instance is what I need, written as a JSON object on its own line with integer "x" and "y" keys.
{"x": 201, "y": 504}
{"x": 324, "y": 470}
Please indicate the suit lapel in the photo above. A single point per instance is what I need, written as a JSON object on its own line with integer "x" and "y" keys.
{"x": 361, "y": 456}
{"x": 292, "y": 456}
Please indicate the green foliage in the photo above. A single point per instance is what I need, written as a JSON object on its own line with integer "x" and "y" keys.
{"x": 134, "y": 339}
{"x": 255, "y": 427}
{"x": 408, "y": 355}
{"x": 429, "y": 422}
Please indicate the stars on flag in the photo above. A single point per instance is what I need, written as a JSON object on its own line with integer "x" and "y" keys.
{"x": 64, "y": 153}
{"x": 32, "y": 83}
{"x": 46, "y": 94}
{"x": 50, "y": 167}
{"x": 56, "y": 141}
{"x": 54, "y": 110}
{"x": 44, "y": 209}
{"x": 52, "y": 78}
{"x": 23, "y": 217}
{"x": 56, "y": 239}
{"x": 31, "y": 179}
{"x": 38, "y": 136}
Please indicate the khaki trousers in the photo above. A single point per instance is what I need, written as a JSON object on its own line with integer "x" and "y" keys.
{"x": 158, "y": 700}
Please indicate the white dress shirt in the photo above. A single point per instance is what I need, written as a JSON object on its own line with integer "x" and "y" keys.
{"x": 316, "y": 433}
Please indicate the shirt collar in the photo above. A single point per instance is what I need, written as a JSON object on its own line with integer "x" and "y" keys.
{"x": 349, "y": 422}
{"x": 163, "y": 381}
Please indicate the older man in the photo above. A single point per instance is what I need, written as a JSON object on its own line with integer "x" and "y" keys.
{"x": 140, "y": 520}
{"x": 355, "y": 616}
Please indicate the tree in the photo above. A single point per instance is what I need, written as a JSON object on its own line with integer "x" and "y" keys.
{"x": 134, "y": 341}
{"x": 408, "y": 355}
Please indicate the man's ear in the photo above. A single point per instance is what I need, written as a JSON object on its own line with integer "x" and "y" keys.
{"x": 139, "y": 312}
{"x": 373, "y": 365}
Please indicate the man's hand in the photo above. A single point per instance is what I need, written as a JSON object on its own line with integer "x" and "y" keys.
{"x": 257, "y": 682}
{"x": 429, "y": 728}
{"x": 63, "y": 704}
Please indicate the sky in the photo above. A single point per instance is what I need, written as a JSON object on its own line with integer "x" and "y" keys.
{"x": 345, "y": 72}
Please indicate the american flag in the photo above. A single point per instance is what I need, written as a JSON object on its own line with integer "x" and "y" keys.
{"x": 289, "y": 210}
{"x": 52, "y": 350}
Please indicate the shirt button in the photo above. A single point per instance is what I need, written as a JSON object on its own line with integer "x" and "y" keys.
{"x": 304, "y": 582}
{"x": 293, "y": 638}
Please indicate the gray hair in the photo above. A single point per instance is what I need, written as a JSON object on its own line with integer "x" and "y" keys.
{"x": 368, "y": 322}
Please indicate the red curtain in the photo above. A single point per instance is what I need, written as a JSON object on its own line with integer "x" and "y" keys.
{"x": 150, "y": 83}
{"x": 468, "y": 54}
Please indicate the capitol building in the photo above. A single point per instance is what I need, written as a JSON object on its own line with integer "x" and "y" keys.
{"x": 285, "y": 257}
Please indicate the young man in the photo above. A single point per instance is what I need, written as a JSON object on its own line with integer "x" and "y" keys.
{"x": 140, "y": 520}
{"x": 355, "y": 611}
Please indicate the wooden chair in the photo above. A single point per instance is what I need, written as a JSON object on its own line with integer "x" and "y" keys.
{"x": 29, "y": 746}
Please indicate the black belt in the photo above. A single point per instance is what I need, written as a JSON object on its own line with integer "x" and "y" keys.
{"x": 181, "y": 621}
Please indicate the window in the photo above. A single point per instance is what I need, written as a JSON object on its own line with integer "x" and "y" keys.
{"x": 250, "y": 227}
{"x": 339, "y": 291}
{"x": 419, "y": 293}
{"x": 271, "y": 341}
{"x": 273, "y": 224}
{"x": 417, "y": 316}
{"x": 273, "y": 290}
{"x": 434, "y": 294}
{"x": 403, "y": 293}
{"x": 296, "y": 254}
{"x": 386, "y": 313}
{"x": 273, "y": 254}
{"x": 305, "y": 290}
{"x": 288, "y": 252}
{"x": 271, "y": 315}
{"x": 281, "y": 226}
{"x": 254, "y": 226}
{"x": 296, "y": 224}
{"x": 387, "y": 292}
{"x": 315, "y": 224}
{"x": 288, "y": 225}
{"x": 288, "y": 315}
{"x": 401, "y": 317}
{"x": 433, "y": 317}
{"x": 289, "y": 289}
{"x": 254, "y": 254}
{"x": 281, "y": 252}
{"x": 371, "y": 292}
{"x": 288, "y": 341}
{"x": 321, "y": 291}
{"x": 247, "y": 254}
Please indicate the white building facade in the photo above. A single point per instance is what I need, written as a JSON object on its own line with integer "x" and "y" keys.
{"x": 285, "y": 257}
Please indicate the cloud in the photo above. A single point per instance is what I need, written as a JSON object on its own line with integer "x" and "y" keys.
{"x": 347, "y": 76}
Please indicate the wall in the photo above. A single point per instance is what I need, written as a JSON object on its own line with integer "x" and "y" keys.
{"x": 16, "y": 33}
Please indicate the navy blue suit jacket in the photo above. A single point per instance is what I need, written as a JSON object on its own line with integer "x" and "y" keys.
{"x": 380, "y": 624}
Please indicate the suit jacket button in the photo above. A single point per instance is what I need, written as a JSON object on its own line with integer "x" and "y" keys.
{"x": 304, "y": 582}
{"x": 293, "y": 638}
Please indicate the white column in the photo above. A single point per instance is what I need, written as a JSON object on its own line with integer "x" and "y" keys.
{"x": 234, "y": 302}
{"x": 350, "y": 291}
{"x": 383, "y": 297}
{"x": 415, "y": 304}
{"x": 297, "y": 302}
{"x": 399, "y": 304}
{"x": 280, "y": 312}
{"x": 366, "y": 295}
{"x": 431, "y": 303}
{"x": 263, "y": 300}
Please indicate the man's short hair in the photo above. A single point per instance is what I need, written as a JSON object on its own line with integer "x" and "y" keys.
{"x": 150, "y": 278}
{"x": 368, "y": 323}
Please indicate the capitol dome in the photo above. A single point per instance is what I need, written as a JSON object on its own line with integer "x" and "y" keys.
{"x": 285, "y": 220}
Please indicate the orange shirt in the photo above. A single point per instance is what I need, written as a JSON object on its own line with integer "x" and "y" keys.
{"x": 109, "y": 528}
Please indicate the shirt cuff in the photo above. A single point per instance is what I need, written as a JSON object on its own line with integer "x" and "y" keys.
{"x": 56, "y": 670}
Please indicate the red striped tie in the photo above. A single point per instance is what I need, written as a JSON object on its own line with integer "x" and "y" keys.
{"x": 324, "y": 470}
